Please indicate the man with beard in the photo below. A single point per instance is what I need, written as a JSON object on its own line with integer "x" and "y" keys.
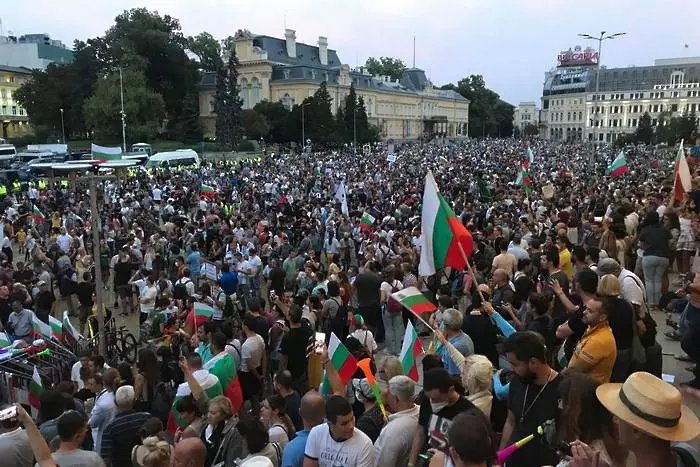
{"x": 533, "y": 398}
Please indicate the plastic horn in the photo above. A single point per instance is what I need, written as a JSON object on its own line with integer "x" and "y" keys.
{"x": 364, "y": 366}
{"x": 46, "y": 351}
{"x": 503, "y": 454}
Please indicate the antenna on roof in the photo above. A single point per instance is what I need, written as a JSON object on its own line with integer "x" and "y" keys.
{"x": 414, "y": 51}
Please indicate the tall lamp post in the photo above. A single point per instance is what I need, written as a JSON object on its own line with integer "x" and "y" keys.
{"x": 63, "y": 127}
{"x": 123, "y": 115}
{"x": 602, "y": 37}
{"x": 303, "y": 130}
{"x": 354, "y": 129}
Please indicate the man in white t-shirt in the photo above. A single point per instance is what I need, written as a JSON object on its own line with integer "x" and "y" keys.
{"x": 338, "y": 442}
{"x": 147, "y": 294}
{"x": 253, "y": 362}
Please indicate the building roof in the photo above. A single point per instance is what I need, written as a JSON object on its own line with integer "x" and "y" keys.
{"x": 16, "y": 69}
{"x": 307, "y": 55}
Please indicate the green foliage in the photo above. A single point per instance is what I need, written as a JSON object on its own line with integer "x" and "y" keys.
{"x": 386, "y": 66}
{"x": 227, "y": 102}
{"x": 276, "y": 116}
{"x": 207, "y": 49}
{"x": 531, "y": 129}
{"x": 255, "y": 125}
{"x": 644, "y": 132}
{"x": 144, "y": 108}
{"x": 489, "y": 115}
{"x": 318, "y": 118}
{"x": 671, "y": 130}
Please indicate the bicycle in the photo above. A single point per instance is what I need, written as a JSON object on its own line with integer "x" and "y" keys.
{"x": 119, "y": 343}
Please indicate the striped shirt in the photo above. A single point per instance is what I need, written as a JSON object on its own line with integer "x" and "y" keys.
{"x": 121, "y": 435}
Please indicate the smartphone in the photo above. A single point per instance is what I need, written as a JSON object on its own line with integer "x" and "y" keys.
{"x": 320, "y": 342}
{"x": 8, "y": 413}
{"x": 425, "y": 456}
{"x": 564, "y": 448}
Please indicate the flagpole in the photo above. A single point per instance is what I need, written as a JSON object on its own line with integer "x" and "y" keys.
{"x": 675, "y": 180}
{"x": 471, "y": 271}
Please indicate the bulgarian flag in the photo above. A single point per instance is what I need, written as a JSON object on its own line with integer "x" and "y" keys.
{"x": 366, "y": 221}
{"x": 38, "y": 215}
{"x": 41, "y": 328}
{"x": 4, "y": 340}
{"x": 414, "y": 300}
{"x": 443, "y": 233}
{"x": 203, "y": 310}
{"x": 342, "y": 360}
{"x": 523, "y": 179}
{"x": 104, "y": 153}
{"x": 530, "y": 155}
{"x": 410, "y": 350}
{"x": 56, "y": 328}
{"x": 619, "y": 166}
{"x": 223, "y": 366}
{"x": 36, "y": 389}
{"x": 682, "y": 182}
{"x": 211, "y": 386}
{"x": 68, "y": 326}
{"x": 207, "y": 190}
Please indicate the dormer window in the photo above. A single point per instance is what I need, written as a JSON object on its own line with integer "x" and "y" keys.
{"x": 286, "y": 74}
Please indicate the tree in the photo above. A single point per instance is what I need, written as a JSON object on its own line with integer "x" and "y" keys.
{"x": 319, "y": 124}
{"x": 386, "y": 66}
{"x": 365, "y": 132}
{"x": 207, "y": 49}
{"x": 255, "y": 124}
{"x": 644, "y": 132}
{"x": 276, "y": 116}
{"x": 144, "y": 108}
{"x": 685, "y": 128}
{"x": 349, "y": 114}
{"x": 531, "y": 130}
{"x": 227, "y": 103}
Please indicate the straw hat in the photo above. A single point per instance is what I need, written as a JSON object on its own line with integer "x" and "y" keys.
{"x": 650, "y": 405}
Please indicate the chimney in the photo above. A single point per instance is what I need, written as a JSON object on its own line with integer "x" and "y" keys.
{"x": 291, "y": 38}
{"x": 323, "y": 50}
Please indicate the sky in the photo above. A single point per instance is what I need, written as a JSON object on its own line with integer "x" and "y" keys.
{"x": 512, "y": 43}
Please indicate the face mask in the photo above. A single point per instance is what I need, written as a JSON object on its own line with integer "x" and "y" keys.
{"x": 437, "y": 406}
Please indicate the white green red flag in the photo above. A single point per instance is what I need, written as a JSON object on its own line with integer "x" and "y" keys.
{"x": 203, "y": 310}
{"x": 36, "y": 389}
{"x": 530, "y": 155}
{"x": 443, "y": 234}
{"x": 105, "y": 153}
{"x": 211, "y": 386}
{"x": 207, "y": 191}
{"x": 682, "y": 182}
{"x": 56, "y": 328}
{"x": 410, "y": 350}
{"x": 41, "y": 329}
{"x": 523, "y": 179}
{"x": 4, "y": 340}
{"x": 38, "y": 215}
{"x": 342, "y": 360}
{"x": 618, "y": 166}
{"x": 367, "y": 221}
{"x": 223, "y": 366}
{"x": 414, "y": 300}
{"x": 68, "y": 326}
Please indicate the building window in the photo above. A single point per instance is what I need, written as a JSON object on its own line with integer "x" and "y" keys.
{"x": 580, "y": 116}
{"x": 692, "y": 108}
{"x": 245, "y": 93}
{"x": 4, "y": 110}
{"x": 254, "y": 92}
{"x": 662, "y": 95}
{"x": 312, "y": 73}
{"x": 286, "y": 74}
{"x": 14, "y": 110}
{"x": 21, "y": 111}
{"x": 325, "y": 76}
{"x": 568, "y": 116}
{"x": 674, "y": 107}
{"x": 3, "y": 93}
{"x": 656, "y": 108}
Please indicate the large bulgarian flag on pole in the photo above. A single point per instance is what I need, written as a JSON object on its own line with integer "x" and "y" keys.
{"x": 366, "y": 221}
{"x": 207, "y": 191}
{"x": 203, "y": 310}
{"x": 523, "y": 179}
{"x": 56, "y": 328}
{"x": 414, "y": 300}
{"x": 342, "y": 360}
{"x": 36, "y": 389}
{"x": 104, "y": 153}
{"x": 618, "y": 166}
{"x": 443, "y": 233}
{"x": 38, "y": 215}
{"x": 682, "y": 182}
{"x": 410, "y": 350}
{"x": 41, "y": 328}
{"x": 223, "y": 366}
{"x": 211, "y": 386}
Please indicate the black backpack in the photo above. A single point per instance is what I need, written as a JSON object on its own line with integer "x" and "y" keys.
{"x": 339, "y": 323}
{"x": 180, "y": 290}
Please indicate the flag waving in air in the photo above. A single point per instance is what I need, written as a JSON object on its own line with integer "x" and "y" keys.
{"x": 443, "y": 233}
{"x": 211, "y": 386}
{"x": 410, "y": 350}
{"x": 104, "y": 153}
{"x": 619, "y": 166}
{"x": 223, "y": 366}
{"x": 530, "y": 155}
{"x": 682, "y": 182}
{"x": 523, "y": 179}
{"x": 342, "y": 360}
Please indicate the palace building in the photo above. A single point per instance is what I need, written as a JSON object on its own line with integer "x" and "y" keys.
{"x": 287, "y": 71}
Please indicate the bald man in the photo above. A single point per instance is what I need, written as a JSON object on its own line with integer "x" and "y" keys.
{"x": 312, "y": 411}
{"x": 190, "y": 452}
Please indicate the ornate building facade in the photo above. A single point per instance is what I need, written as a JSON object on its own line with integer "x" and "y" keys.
{"x": 287, "y": 71}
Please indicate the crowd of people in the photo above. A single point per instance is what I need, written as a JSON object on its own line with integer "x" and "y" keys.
{"x": 239, "y": 288}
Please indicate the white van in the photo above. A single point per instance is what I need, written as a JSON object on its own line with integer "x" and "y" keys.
{"x": 7, "y": 154}
{"x": 181, "y": 157}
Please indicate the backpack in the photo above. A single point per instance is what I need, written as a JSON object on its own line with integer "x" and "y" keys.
{"x": 392, "y": 305}
{"x": 180, "y": 290}
{"x": 686, "y": 455}
{"x": 163, "y": 398}
{"x": 339, "y": 323}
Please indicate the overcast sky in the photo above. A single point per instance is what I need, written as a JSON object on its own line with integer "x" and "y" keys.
{"x": 511, "y": 42}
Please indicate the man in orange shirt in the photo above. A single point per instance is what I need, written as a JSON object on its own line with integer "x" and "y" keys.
{"x": 596, "y": 352}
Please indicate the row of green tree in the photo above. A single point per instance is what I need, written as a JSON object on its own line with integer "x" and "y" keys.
{"x": 668, "y": 129}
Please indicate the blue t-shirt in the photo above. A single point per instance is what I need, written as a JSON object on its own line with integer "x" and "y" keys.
{"x": 464, "y": 344}
{"x": 193, "y": 263}
{"x": 293, "y": 455}
{"x": 229, "y": 282}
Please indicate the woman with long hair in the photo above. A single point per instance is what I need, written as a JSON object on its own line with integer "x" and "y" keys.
{"x": 147, "y": 378}
{"x": 345, "y": 287}
{"x": 671, "y": 223}
{"x": 584, "y": 418}
{"x": 273, "y": 414}
{"x": 621, "y": 320}
{"x": 686, "y": 245}
{"x": 654, "y": 239}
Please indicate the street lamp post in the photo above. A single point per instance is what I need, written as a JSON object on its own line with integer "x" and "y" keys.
{"x": 602, "y": 37}
{"x": 123, "y": 115}
{"x": 63, "y": 128}
{"x": 354, "y": 129}
{"x": 303, "y": 130}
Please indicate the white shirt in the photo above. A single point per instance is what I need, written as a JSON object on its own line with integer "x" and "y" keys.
{"x": 187, "y": 282}
{"x": 101, "y": 416}
{"x": 63, "y": 241}
{"x": 278, "y": 434}
{"x": 631, "y": 287}
{"x": 393, "y": 447}
{"x": 354, "y": 452}
{"x": 75, "y": 374}
{"x": 150, "y": 294}
{"x": 366, "y": 338}
{"x": 387, "y": 288}
{"x": 157, "y": 194}
{"x": 255, "y": 265}
{"x": 242, "y": 276}
{"x": 253, "y": 348}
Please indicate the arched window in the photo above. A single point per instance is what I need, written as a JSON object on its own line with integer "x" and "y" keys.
{"x": 287, "y": 101}
{"x": 254, "y": 92}
{"x": 245, "y": 93}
